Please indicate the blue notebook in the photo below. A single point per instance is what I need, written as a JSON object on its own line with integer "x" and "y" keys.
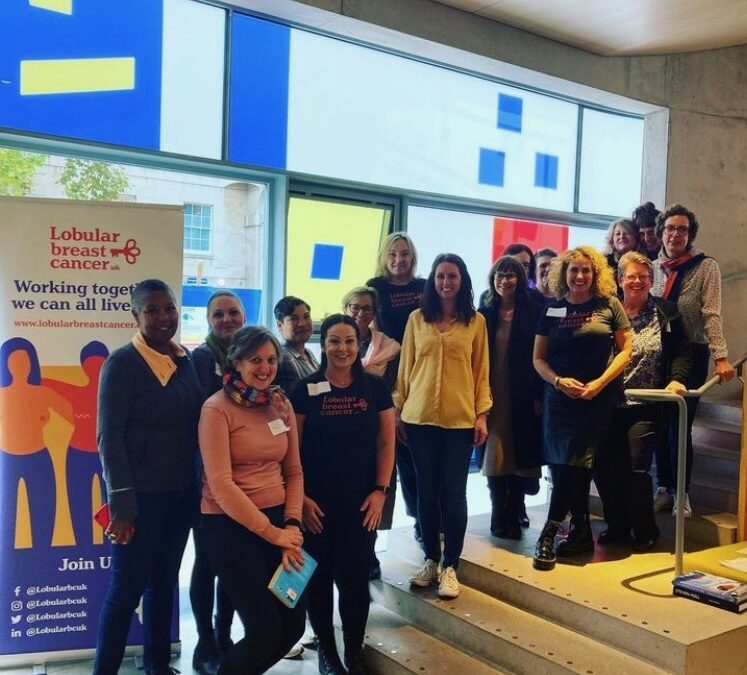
{"x": 289, "y": 586}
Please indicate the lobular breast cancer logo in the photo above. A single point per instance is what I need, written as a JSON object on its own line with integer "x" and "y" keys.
{"x": 74, "y": 248}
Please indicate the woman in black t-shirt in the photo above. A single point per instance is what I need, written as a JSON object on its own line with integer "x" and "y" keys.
{"x": 346, "y": 433}
{"x": 399, "y": 292}
{"x": 573, "y": 353}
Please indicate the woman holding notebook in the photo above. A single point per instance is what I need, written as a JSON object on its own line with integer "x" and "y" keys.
{"x": 252, "y": 496}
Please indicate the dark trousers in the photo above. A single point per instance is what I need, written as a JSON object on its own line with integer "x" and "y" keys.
{"x": 621, "y": 470}
{"x": 408, "y": 481}
{"x": 441, "y": 458}
{"x": 149, "y": 567}
{"x": 245, "y": 564}
{"x": 343, "y": 551}
{"x": 666, "y": 459}
{"x": 202, "y": 591}
{"x": 570, "y": 492}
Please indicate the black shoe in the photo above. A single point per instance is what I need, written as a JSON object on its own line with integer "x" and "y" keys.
{"x": 162, "y": 670}
{"x": 355, "y": 662}
{"x": 544, "y": 551}
{"x": 223, "y": 637}
{"x": 523, "y": 517}
{"x": 329, "y": 661}
{"x": 579, "y": 541}
{"x": 644, "y": 544}
{"x": 206, "y": 658}
{"x": 611, "y": 536}
{"x": 375, "y": 571}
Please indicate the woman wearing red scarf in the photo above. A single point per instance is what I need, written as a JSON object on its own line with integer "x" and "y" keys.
{"x": 688, "y": 277}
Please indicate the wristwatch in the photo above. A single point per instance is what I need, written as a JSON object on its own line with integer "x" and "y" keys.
{"x": 382, "y": 488}
{"x": 294, "y": 522}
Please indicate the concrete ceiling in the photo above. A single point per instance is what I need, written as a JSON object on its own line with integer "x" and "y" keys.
{"x": 618, "y": 27}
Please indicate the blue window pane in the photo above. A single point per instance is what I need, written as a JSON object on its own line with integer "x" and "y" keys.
{"x": 509, "y": 112}
{"x": 546, "y": 171}
{"x": 492, "y": 164}
{"x": 326, "y": 262}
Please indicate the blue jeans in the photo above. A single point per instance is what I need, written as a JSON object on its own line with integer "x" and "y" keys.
{"x": 441, "y": 458}
{"x": 149, "y": 567}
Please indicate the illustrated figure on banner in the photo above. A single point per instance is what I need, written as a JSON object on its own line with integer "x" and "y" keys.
{"x": 27, "y": 514}
{"x": 85, "y": 484}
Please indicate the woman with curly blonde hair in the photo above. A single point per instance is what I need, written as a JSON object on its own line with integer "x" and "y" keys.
{"x": 583, "y": 344}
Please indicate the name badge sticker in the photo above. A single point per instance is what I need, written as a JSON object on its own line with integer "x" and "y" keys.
{"x": 278, "y": 427}
{"x": 558, "y": 312}
{"x": 316, "y": 388}
{"x": 217, "y": 370}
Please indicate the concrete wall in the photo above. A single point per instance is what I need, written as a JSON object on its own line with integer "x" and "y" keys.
{"x": 706, "y": 93}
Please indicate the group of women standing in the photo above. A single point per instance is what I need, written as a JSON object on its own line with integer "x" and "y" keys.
{"x": 409, "y": 358}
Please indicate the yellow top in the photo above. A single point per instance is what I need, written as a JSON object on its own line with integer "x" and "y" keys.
{"x": 443, "y": 377}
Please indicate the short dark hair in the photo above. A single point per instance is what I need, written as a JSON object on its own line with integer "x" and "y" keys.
{"x": 430, "y": 303}
{"x": 248, "y": 340}
{"x": 334, "y": 320}
{"x": 142, "y": 290}
{"x": 508, "y": 263}
{"x": 515, "y": 249}
{"x": 678, "y": 210}
{"x": 645, "y": 215}
{"x": 286, "y": 305}
{"x": 545, "y": 253}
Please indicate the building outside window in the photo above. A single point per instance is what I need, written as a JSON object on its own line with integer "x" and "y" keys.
{"x": 198, "y": 225}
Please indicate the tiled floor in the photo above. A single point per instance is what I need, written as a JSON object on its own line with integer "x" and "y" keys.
{"x": 478, "y": 501}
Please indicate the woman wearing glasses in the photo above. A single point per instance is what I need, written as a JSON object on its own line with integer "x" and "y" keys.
{"x": 512, "y": 451}
{"x": 661, "y": 355}
{"x": 688, "y": 277}
{"x": 378, "y": 353}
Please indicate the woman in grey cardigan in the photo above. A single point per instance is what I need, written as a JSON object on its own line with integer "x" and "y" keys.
{"x": 692, "y": 280}
{"x": 149, "y": 406}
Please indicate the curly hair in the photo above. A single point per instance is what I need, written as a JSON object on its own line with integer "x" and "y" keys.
{"x": 630, "y": 227}
{"x": 603, "y": 282}
{"x": 645, "y": 215}
{"x": 382, "y": 258}
{"x": 678, "y": 210}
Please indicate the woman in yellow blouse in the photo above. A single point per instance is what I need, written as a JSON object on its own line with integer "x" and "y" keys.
{"x": 442, "y": 399}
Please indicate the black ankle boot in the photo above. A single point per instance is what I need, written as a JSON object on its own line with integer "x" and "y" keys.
{"x": 544, "y": 552}
{"x": 329, "y": 659}
{"x": 206, "y": 658}
{"x": 579, "y": 541}
{"x": 223, "y": 637}
{"x": 355, "y": 662}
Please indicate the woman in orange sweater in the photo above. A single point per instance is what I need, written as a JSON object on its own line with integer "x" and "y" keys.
{"x": 252, "y": 497}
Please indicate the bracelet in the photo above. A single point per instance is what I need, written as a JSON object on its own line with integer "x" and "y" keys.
{"x": 556, "y": 381}
{"x": 294, "y": 522}
{"x": 382, "y": 488}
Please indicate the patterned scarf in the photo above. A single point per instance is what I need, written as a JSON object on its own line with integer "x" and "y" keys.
{"x": 219, "y": 349}
{"x": 249, "y": 397}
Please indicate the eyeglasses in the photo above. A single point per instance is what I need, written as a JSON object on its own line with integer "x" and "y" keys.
{"x": 508, "y": 276}
{"x": 637, "y": 277}
{"x": 679, "y": 229}
{"x": 360, "y": 309}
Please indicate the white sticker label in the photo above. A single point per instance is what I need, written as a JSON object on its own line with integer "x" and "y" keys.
{"x": 560, "y": 312}
{"x": 217, "y": 370}
{"x": 316, "y": 388}
{"x": 278, "y": 427}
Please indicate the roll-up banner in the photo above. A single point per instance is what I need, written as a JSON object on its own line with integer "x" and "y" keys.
{"x": 66, "y": 271}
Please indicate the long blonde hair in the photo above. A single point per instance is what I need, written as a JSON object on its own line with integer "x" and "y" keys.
{"x": 381, "y": 261}
{"x": 603, "y": 282}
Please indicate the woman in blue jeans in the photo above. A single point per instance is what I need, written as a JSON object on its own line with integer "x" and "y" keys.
{"x": 443, "y": 398}
{"x": 149, "y": 406}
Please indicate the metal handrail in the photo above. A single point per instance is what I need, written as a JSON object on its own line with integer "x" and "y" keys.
{"x": 667, "y": 396}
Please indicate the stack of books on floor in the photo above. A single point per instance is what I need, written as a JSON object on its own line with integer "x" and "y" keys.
{"x": 712, "y": 590}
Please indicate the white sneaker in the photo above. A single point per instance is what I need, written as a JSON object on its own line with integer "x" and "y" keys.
{"x": 662, "y": 500}
{"x": 426, "y": 575}
{"x": 295, "y": 651}
{"x": 448, "y": 584}
{"x": 687, "y": 511}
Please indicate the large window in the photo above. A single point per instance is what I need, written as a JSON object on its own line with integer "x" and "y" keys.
{"x": 198, "y": 225}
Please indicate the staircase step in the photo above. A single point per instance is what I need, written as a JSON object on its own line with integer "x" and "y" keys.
{"x": 725, "y": 411}
{"x": 395, "y": 647}
{"x": 720, "y": 463}
{"x": 513, "y": 638}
